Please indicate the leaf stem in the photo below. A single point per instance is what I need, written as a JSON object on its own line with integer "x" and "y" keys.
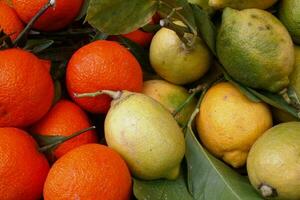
{"x": 55, "y": 144}
{"x": 112, "y": 94}
{"x": 28, "y": 27}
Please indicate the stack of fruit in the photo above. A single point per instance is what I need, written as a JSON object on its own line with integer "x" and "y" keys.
{"x": 151, "y": 100}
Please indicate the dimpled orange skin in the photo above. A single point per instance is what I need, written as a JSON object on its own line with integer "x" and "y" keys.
{"x": 91, "y": 172}
{"x": 102, "y": 65}
{"x": 10, "y": 23}
{"x": 23, "y": 169}
{"x": 58, "y": 17}
{"x": 26, "y": 91}
{"x": 64, "y": 119}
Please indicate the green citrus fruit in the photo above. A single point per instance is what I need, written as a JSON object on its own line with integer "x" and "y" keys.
{"x": 255, "y": 49}
{"x": 295, "y": 75}
{"x": 241, "y": 4}
{"x": 171, "y": 96}
{"x": 289, "y": 14}
{"x": 203, "y": 4}
{"x": 174, "y": 61}
{"x": 273, "y": 163}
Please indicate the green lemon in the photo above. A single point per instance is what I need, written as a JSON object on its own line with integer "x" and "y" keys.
{"x": 241, "y": 4}
{"x": 273, "y": 163}
{"x": 289, "y": 14}
{"x": 255, "y": 49}
{"x": 174, "y": 61}
{"x": 295, "y": 75}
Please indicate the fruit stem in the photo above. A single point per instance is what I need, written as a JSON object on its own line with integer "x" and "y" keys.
{"x": 56, "y": 144}
{"x": 267, "y": 191}
{"x": 112, "y": 94}
{"x": 185, "y": 103}
{"x": 28, "y": 27}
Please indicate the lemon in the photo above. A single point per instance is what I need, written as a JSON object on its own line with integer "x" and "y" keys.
{"x": 203, "y": 4}
{"x": 289, "y": 14}
{"x": 241, "y": 4}
{"x": 171, "y": 96}
{"x": 295, "y": 75}
{"x": 274, "y": 163}
{"x": 255, "y": 49}
{"x": 174, "y": 61}
{"x": 229, "y": 123}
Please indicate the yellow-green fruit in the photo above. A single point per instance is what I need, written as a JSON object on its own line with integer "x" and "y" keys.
{"x": 174, "y": 61}
{"x": 241, "y": 4}
{"x": 295, "y": 75}
{"x": 171, "y": 96}
{"x": 255, "y": 49}
{"x": 229, "y": 123}
{"x": 146, "y": 135}
{"x": 203, "y": 4}
{"x": 289, "y": 15}
{"x": 273, "y": 163}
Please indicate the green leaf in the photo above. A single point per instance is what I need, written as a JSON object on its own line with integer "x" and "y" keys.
{"x": 83, "y": 10}
{"x": 211, "y": 179}
{"x": 205, "y": 27}
{"x": 141, "y": 54}
{"x": 119, "y": 16}
{"x": 38, "y": 45}
{"x": 161, "y": 190}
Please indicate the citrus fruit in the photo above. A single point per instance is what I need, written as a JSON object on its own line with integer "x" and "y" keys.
{"x": 241, "y": 4}
{"x": 141, "y": 130}
{"x": 174, "y": 61}
{"x": 26, "y": 91}
{"x": 171, "y": 96}
{"x": 289, "y": 15}
{"x": 61, "y": 15}
{"x": 91, "y": 171}
{"x": 255, "y": 49}
{"x": 140, "y": 37}
{"x": 273, "y": 163}
{"x": 229, "y": 123}
{"x": 102, "y": 65}
{"x": 295, "y": 75}
{"x": 203, "y": 4}
{"x": 64, "y": 119}
{"x": 23, "y": 169}
{"x": 9, "y": 21}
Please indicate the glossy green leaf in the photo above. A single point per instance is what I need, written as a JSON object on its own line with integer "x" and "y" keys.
{"x": 38, "y": 45}
{"x": 119, "y": 16}
{"x": 161, "y": 190}
{"x": 205, "y": 27}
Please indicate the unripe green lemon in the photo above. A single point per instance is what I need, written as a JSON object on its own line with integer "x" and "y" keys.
{"x": 273, "y": 163}
{"x": 241, "y": 4}
{"x": 171, "y": 96}
{"x": 174, "y": 61}
{"x": 295, "y": 75}
{"x": 146, "y": 135}
{"x": 289, "y": 14}
{"x": 255, "y": 49}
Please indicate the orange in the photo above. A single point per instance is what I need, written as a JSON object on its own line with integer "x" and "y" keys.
{"x": 64, "y": 119}
{"x": 91, "y": 171}
{"x": 26, "y": 91}
{"x": 55, "y": 18}
{"x": 102, "y": 65}
{"x": 23, "y": 169}
{"x": 9, "y": 21}
{"x": 140, "y": 37}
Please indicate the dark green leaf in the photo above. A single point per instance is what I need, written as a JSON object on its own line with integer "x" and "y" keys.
{"x": 119, "y": 16}
{"x": 37, "y": 46}
{"x": 211, "y": 179}
{"x": 205, "y": 27}
{"x": 139, "y": 52}
{"x": 100, "y": 36}
{"x": 83, "y": 10}
{"x": 44, "y": 140}
{"x": 161, "y": 190}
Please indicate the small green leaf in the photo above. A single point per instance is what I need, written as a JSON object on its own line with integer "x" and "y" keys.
{"x": 161, "y": 190}
{"x": 205, "y": 27}
{"x": 119, "y": 16}
{"x": 211, "y": 179}
{"x": 38, "y": 45}
{"x": 139, "y": 52}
